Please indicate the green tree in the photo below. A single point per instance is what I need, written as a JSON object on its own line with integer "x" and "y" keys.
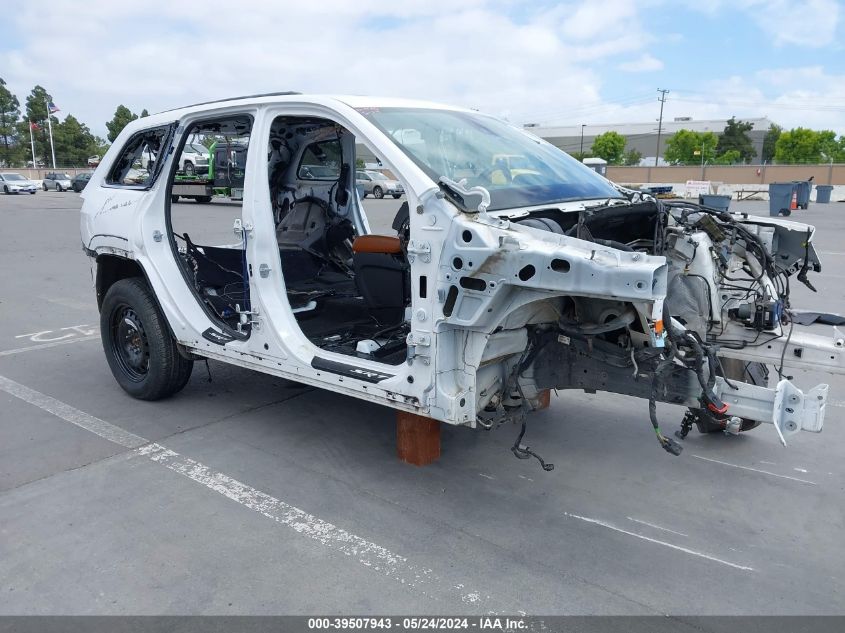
{"x": 769, "y": 141}
{"x": 123, "y": 116}
{"x": 799, "y": 145}
{"x": 144, "y": 113}
{"x": 730, "y": 157}
{"x": 10, "y": 112}
{"x": 36, "y": 112}
{"x": 632, "y": 157}
{"x": 102, "y": 146}
{"x": 838, "y": 155}
{"x": 686, "y": 147}
{"x": 831, "y": 148}
{"x": 610, "y": 146}
{"x": 735, "y": 138}
{"x": 74, "y": 142}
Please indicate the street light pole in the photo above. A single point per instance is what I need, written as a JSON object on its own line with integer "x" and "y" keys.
{"x": 50, "y": 128}
{"x": 583, "y": 125}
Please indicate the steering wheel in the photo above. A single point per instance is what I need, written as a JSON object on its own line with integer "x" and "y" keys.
{"x": 497, "y": 174}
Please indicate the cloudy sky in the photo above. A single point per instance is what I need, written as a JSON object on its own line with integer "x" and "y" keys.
{"x": 585, "y": 61}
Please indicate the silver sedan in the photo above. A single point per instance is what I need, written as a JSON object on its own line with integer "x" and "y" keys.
{"x": 57, "y": 181}
{"x": 377, "y": 184}
{"x": 15, "y": 183}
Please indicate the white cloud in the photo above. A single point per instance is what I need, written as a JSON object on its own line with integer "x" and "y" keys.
{"x": 160, "y": 54}
{"x": 802, "y": 23}
{"x": 644, "y": 63}
{"x": 809, "y": 23}
{"x": 535, "y": 62}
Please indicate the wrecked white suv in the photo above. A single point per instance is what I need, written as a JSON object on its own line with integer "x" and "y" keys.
{"x": 493, "y": 286}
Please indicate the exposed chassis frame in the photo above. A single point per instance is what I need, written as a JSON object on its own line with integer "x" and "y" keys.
{"x": 565, "y": 362}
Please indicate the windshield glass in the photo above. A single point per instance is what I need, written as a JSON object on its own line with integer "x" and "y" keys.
{"x": 377, "y": 176}
{"x": 518, "y": 169}
{"x": 13, "y": 177}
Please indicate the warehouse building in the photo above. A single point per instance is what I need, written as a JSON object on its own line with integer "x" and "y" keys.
{"x": 642, "y": 136}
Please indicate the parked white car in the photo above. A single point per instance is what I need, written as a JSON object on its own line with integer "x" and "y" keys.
{"x": 194, "y": 159}
{"x": 12, "y": 182}
{"x": 494, "y": 288}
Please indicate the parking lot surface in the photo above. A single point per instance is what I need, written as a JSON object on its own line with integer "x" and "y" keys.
{"x": 249, "y": 494}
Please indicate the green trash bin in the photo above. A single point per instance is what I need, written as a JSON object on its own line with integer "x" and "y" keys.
{"x": 780, "y": 197}
{"x": 823, "y": 193}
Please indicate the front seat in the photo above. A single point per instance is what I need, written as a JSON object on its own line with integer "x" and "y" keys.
{"x": 382, "y": 275}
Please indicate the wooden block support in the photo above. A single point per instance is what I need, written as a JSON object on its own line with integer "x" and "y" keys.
{"x": 544, "y": 399}
{"x": 417, "y": 438}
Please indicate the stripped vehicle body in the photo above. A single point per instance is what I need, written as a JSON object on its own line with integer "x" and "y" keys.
{"x": 497, "y": 286}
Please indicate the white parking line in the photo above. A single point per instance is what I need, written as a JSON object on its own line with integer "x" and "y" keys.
{"x": 756, "y": 470}
{"x": 51, "y": 336}
{"x": 656, "y": 527}
{"x": 32, "y": 348}
{"x": 365, "y": 552}
{"x": 71, "y": 414}
{"x": 369, "y": 554}
{"x": 686, "y": 550}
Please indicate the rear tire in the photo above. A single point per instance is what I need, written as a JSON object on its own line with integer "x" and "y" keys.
{"x": 140, "y": 350}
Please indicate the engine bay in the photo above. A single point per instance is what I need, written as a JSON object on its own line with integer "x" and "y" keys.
{"x": 728, "y": 296}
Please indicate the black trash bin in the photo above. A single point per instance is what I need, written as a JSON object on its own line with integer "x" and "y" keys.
{"x": 715, "y": 202}
{"x": 823, "y": 193}
{"x": 781, "y": 197}
{"x": 803, "y": 188}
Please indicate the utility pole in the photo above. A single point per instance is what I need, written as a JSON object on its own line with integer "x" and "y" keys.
{"x": 662, "y": 100}
{"x": 32, "y": 143}
{"x": 583, "y": 125}
{"x": 47, "y": 102}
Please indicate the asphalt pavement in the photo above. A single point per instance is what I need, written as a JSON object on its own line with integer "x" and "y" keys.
{"x": 249, "y": 494}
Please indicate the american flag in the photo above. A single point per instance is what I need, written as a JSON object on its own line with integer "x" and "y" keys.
{"x": 52, "y": 108}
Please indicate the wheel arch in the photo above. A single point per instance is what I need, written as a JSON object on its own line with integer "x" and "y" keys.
{"x": 112, "y": 268}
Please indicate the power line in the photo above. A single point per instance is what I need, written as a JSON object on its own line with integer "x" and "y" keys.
{"x": 588, "y": 108}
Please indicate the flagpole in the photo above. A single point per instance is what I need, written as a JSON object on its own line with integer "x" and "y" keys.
{"x": 32, "y": 142}
{"x": 50, "y": 127}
